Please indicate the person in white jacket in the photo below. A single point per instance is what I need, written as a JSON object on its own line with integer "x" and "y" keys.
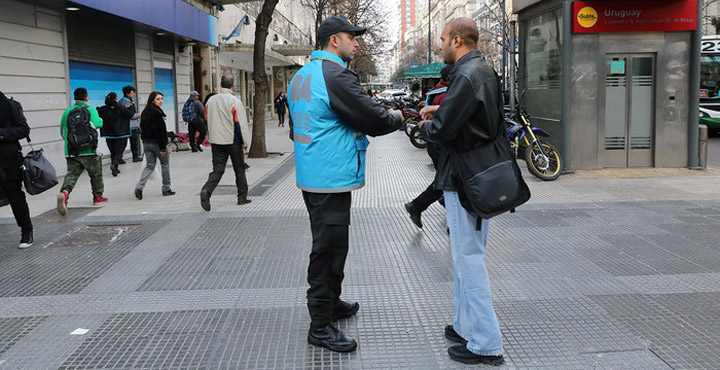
{"x": 228, "y": 136}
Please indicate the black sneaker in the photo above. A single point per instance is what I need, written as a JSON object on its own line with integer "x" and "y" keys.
{"x": 122, "y": 161}
{"x": 26, "y": 241}
{"x": 462, "y": 354}
{"x": 452, "y": 335}
{"x": 114, "y": 170}
{"x": 414, "y": 214}
{"x": 3, "y": 201}
{"x": 205, "y": 200}
{"x": 331, "y": 338}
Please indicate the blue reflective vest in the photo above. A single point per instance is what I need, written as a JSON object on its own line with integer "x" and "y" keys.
{"x": 329, "y": 154}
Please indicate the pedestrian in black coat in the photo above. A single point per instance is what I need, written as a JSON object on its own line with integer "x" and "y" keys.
{"x": 13, "y": 127}
{"x": 153, "y": 131}
{"x": 115, "y": 129}
{"x": 281, "y": 105}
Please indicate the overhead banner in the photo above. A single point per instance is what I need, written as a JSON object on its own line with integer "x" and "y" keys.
{"x": 634, "y": 16}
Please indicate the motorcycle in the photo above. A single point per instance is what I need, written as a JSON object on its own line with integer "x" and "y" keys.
{"x": 543, "y": 159}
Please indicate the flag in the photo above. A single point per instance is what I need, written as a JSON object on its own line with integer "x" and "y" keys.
{"x": 237, "y": 30}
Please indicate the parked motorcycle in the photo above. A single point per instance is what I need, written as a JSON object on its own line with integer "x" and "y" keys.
{"x": 543, "y": 159}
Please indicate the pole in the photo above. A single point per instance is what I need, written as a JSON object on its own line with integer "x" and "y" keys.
{"x": 429, "y": 34}
{"x": 511, "y": 69}
{"x": 503, "y": 22}
{"x": 694, "y": 104}
{"x": 566, "y": 82}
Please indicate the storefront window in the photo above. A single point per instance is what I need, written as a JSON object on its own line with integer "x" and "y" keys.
{"x": 542, "y": 67}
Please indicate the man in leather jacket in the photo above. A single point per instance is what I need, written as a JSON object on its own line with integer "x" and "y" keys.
{"x": 468, "y": 117}
{"x": 330, "y": 115}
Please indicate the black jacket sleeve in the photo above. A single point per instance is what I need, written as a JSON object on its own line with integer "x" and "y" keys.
{"x": 353, "y": 105}
{"x": 19, "y": 128}
{"x": 468, "y": 114}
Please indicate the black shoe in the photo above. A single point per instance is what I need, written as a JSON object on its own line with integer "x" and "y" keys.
{"x": 114, "y": 169}
{"x": 193, "y": 150}
{"x": 343, "y": 310}
{"x": 331, "y": 338}
{"x": 414, "y": 214}
{"x": 137, "y": 159}
{"x": 3, "y": 201}
{"x": 122, "y": 161}
{"x": 452, "y": 335}
{"x": 205, "y": 200}
{"x": 462, "y": 354}
{"x": 26, "y": 241}
{"x": 199, "y": 148}
{"x": 244, "y": 201}
{"x": 138, "y": 193}
{"x": 168, "y": 193}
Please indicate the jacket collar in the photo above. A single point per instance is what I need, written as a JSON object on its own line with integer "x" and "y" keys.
{"x": 81, "y": 103}
{"x": 126, "y": 98}
{"x": 467, "y": 57}
{"x": 225, "y": 91}
{"x": 326, "y": 55}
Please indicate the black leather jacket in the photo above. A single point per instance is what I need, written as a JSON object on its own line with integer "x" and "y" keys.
{"x": 469, "y": 116}
{"x": 13, "y": 128}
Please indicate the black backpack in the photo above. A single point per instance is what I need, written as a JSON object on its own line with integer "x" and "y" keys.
{"x": 81, "y": 134}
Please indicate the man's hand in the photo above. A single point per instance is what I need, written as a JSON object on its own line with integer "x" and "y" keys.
{"x": 399, "y": 113}
{"x": 420, "y": 124}
{"x": 162, "y": 153}
{"x": 428, "y": 112}
{"x": 245, "y": 149}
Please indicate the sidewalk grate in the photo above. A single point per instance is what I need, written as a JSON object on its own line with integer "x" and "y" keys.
{"x": 14, "y": 329}
{"x": 273, "y": 178}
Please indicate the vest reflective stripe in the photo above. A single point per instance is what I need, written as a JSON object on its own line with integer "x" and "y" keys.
{"x": 434, "y": 92}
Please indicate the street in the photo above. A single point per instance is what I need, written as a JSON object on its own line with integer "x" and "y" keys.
{"x": 591, "y": 273}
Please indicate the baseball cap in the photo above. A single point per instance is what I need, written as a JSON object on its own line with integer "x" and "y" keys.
{"x": 337, "y": 24}
{"x": 194, "y": 93}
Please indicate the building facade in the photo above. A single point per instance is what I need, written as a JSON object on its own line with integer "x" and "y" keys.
{"x": 50, "y": 47}
{"x": 616, "y": 83}
{"x": 288, "y": 47}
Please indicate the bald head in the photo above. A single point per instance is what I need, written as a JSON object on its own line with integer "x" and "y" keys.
{"x": 466, "y": 29}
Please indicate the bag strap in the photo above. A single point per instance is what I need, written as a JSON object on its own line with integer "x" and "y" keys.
{"x": 30, "y": 142}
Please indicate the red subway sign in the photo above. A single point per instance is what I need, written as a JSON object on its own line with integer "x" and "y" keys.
{"x": 634, "y": 16}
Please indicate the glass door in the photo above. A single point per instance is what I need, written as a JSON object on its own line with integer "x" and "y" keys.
{"x": 629, "y": 110}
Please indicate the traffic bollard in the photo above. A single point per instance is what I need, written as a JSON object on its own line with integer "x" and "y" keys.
{"x": 703, "y": 147}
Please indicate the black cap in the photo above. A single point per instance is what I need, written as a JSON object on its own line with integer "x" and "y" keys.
{"x": 337, "y": 24}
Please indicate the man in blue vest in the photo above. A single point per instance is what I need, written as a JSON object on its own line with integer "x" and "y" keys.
{"x": 330, "y": 115}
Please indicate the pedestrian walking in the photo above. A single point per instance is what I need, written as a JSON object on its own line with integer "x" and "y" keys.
{"x": 466, "y": 118}
{"x": 418, "y": 205}
{"x": 128, "y": 104}
{"x": 281, "y": 104}
{"x": 194, "y": 114}
{"x": 13, "y": 128}
{"x": 78, "y": 128}
{"x": 114, "y": 130}
{"x": 228, "y": 135}
{"x": 213, "y": 93}
{"x": 153, "y": 131}
{"x": 331, "y": 114}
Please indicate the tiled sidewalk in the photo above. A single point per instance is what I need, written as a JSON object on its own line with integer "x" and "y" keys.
{"x": 603, "y": 273}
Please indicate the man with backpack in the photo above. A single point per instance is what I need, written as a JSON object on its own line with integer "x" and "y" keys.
{"x": 78, "y": 129}
{"x": 194, "y": 114}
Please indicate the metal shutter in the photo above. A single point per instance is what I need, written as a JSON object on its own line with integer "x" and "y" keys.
{"x": 97, "y": 37}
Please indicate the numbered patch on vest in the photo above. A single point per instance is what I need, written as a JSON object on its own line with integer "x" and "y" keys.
{"x": 300, "y": 88}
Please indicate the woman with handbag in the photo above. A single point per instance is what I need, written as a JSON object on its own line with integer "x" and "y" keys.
{"x": 13, "y": 127}
{"x": 153, "y": 131}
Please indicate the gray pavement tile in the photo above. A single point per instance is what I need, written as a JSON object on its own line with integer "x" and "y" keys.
{"x": 15, "y": 328}
{"x": 689, "y": 356}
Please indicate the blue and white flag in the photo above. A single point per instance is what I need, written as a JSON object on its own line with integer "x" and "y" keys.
{"x": 237, "y": 30}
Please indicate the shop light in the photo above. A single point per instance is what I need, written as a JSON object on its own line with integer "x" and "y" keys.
{"x": 72, "y": 8}
{"x": 160, "y": 33}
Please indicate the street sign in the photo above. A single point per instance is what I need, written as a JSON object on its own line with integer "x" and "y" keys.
{"x": 414, "y": 65}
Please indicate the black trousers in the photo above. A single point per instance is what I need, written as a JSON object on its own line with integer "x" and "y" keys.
{"x": 427, "y": 197}
{"x": 196, "y": 126}
{"x": 281, "y": 118}
{"x": 11, "y": 186}
{"x": 135, "y": 143}
{"x": 220, "y": 154}
{"x": 117, "y": 148}
{"x": 329, "y": 223}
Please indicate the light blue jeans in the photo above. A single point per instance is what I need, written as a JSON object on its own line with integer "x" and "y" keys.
{"x": 475, "y": 318}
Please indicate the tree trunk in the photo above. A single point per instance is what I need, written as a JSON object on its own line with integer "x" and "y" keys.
{"x": 257, "y": 148}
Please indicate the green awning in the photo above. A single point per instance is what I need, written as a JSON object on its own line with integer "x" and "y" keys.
{"x": 426, "y": 71}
